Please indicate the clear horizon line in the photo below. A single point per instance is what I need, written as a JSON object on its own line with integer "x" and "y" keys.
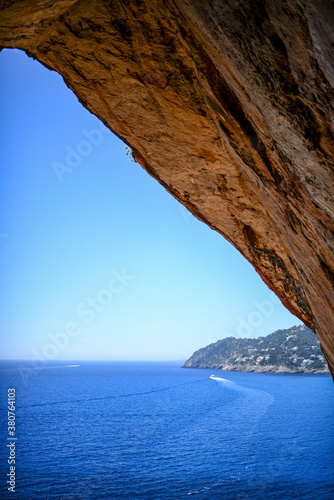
{"x": 82, "y": 360}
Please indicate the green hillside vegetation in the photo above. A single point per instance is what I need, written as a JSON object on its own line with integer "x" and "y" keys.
{"x": 295, "y": 350}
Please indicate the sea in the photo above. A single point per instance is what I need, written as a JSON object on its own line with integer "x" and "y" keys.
{"x": 154, "y": 430}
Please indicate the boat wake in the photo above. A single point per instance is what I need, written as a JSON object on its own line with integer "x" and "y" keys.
{"x": 218, "y": 378}
{"x": 250, "y": 405}
{"x": 22, "y": 368}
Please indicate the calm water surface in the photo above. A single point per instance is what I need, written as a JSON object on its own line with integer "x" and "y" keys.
{"x": 106, "y": 430}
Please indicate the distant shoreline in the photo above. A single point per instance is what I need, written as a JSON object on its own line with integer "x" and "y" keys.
{"x": 255, "y": 369}
{"x": 292, "y": 351}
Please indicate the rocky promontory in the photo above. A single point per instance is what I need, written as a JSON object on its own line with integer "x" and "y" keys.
{"x": 295, "y": 350}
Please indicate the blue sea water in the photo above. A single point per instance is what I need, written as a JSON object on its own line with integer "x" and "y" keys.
{"x": 116, "y": 430}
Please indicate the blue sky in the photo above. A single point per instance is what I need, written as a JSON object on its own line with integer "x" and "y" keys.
{"x": 98, "y": 260}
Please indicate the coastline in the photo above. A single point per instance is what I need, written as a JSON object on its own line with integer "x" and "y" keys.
{"x": 260, "y": 369}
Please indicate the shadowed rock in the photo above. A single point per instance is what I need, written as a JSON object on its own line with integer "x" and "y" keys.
{"x": 229, "y": 105}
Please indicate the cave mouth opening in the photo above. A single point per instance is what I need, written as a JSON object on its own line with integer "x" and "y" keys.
{"x": 78, "y": 213}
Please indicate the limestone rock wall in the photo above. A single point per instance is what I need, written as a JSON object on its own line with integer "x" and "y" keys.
{"x": 228, "y": 104}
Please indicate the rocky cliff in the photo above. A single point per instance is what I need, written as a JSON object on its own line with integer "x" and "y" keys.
{"x": 229, "y": 105}
{"x": 295, "y": 350}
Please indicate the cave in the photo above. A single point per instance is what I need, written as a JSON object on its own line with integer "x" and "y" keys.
{"x": 228, "y": 105}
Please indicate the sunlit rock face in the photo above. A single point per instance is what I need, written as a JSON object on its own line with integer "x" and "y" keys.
{"x": 228, "y": 104}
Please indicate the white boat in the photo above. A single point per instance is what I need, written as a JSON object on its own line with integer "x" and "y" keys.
{"x": 213, "y": 376}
